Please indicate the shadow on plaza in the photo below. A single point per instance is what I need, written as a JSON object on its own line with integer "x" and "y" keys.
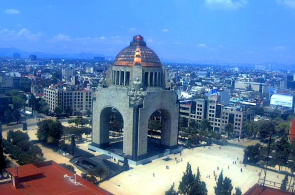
{"x": 154, "y": 148}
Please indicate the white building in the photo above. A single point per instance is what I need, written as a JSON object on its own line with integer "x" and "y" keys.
{"x": 68, "y": 96}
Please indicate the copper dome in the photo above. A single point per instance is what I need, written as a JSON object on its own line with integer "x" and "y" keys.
{"x": 137, "y": 52}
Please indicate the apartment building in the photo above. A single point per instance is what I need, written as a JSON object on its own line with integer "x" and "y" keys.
{"x": 66, "y": 96}
{"x": 216, "y": 113}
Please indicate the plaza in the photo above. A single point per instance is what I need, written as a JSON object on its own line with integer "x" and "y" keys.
{"x": 140, "y": 179}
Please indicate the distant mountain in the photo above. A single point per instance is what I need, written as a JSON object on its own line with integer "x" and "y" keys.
{"x": 8, "y": 52}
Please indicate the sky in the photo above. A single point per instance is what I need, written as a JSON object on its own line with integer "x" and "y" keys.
{"x": 200, "y": 31}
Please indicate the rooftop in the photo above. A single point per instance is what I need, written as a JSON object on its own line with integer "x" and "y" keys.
{"x": 264, "y": 190}
{"x": 47, "y": 178}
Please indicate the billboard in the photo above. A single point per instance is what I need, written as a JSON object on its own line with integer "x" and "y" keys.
{"x": 281, "y": 100}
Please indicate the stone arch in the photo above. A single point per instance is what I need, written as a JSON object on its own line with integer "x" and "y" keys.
{"x": 104, "y": 118}
{"x": 165, "y": 126}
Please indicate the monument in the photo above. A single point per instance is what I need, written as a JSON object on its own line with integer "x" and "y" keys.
{"x": 135, "y": 87}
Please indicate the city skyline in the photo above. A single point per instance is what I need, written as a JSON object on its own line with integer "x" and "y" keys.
{"x": 225, "y": 31}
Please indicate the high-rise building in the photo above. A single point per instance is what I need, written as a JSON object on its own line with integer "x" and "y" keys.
{"x": 16, "y": 55}
{"x": 33, "y": 57}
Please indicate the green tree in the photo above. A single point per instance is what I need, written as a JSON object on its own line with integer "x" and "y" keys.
{"x": 252, "y": 154}
{"x": 183, "y": 122}
{"x": 116, "y": 122}
{"x": 21, "y": 149}
{"x": 191, "y": 184}
{"x": 282, "y": 127}
{"x": 223, "y": 186}
{"x": 258, "y": 111}
{"x": 8, "y": 116}
{"x": 69, "y": 111}
{"x": 266, "y": 128}
{"x": 57, "y": 111}
{"x": 171, "y": 191}
{"x": 25, "y": 84}
{"x": 199, "y": 187}
{"x": 88, "y": 113}
{"x": 187, "y": 181}
{"x": 229, "y": 129}
{"x": 284, "y": 183}
{"x": 238, "y": 191}
{"x": 218, "y": 188}
{"x": 154, "y": 124}
{"x": 16, "y": 115}
{"x": 282, "y": 151}
{"x": 18, "y": 102}
{"x": 33, "y": 102}
{"x": 205, "y": 125}
{"x": 252, "y": 128}
{"x": 227, "y": 186}
{"x": 49, "y": 131}
{"x": 17, "y": 136}
{"x": 45, "y": 109}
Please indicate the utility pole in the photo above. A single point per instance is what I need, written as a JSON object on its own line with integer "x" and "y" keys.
{"x": 267, "y": 158}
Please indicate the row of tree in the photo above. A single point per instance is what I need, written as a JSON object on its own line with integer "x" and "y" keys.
{"x": 192, "y": 184}
{"x": 21, "y": 149}
{"x": 280, "y": 152}
{"x": 79, "y": 121}
{"x": 51, "y": 131}
{"x": 10, "y": 111}
{"x": 264, "y": 128}
{"x": 78, "y": 132}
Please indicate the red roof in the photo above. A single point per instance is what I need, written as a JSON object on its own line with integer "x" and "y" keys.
{"x": 264, "y": 190}
{"x": 48, "y": 178}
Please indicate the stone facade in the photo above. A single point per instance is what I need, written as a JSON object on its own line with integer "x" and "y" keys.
{"x": 136, "y": 89}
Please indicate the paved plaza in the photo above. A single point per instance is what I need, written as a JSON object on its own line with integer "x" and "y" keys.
{"x": 140, "y": 179}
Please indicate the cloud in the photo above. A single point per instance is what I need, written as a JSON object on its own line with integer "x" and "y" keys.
{"x": 11, "y": 11}
{"x": 279, "y": 48}
{"x": 62, "y": 37}
{"x": 149, "y": 40}
{"x": 102, "y": 38}
{"x": 287, "y": 3}
{"x": 202, "y": 45}
{"x": 19, "y": 35}
{"x": 132, "y": 29}
{"x": 226, "y": 4}
{"x": 165, "y": 30}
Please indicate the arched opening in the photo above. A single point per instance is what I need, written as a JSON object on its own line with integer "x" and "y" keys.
{"x": 159, "y": 130}
{"x": 111, "y": 129}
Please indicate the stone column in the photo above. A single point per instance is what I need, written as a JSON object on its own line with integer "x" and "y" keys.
{"x": 115, "y": 77}
{"x": 149, "y": 79}
{"x": 120, "y": 77}
{"x": 159, "y": 78}
{"x": 124, "y": 78}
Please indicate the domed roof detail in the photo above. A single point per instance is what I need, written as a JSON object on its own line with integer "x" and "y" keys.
{"x": 137, "y": 52}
